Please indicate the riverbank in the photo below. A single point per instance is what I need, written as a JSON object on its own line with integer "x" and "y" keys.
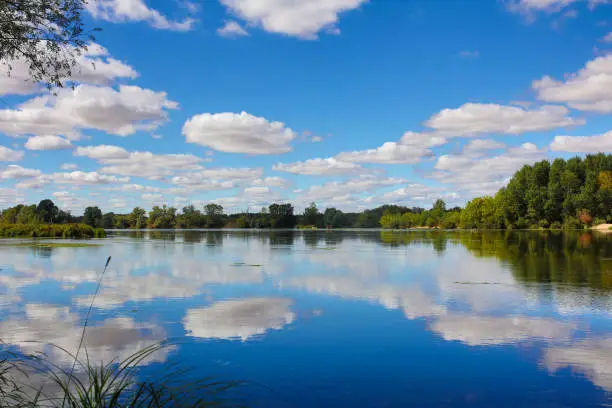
{"x": 603, "y": 228}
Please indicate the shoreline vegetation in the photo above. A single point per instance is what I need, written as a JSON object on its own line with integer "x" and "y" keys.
{"x": 66, "y": 231}
{"x": 564, "y": 194}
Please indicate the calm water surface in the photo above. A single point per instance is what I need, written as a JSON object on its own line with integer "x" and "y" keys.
{"x": 331, "y": 319}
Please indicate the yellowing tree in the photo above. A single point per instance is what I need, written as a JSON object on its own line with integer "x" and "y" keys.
{"x": 605, "y": 180}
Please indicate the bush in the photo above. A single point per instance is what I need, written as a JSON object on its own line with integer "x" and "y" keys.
{"x": 521, "y": 223}
{"x": 597, "y": 221}
{"x": 74, "y": 231}
{"x": 555, "y": 225}
{"x": 572, "y": 223}
{"x": 99, "y": 233}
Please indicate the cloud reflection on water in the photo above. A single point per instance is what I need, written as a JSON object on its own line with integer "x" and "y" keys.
{"x": 591, "y": 357}
{"x": 470, "y": 294}
{"x": 486, "y": 330}
{"x": 49, "y": 329}
{"x": 239, "y": 319}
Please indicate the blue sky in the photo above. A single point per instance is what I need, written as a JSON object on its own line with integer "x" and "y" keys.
{"x": 347, "y": 103}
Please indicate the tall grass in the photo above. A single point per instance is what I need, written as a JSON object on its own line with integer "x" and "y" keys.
{"x": 34, "y": 380}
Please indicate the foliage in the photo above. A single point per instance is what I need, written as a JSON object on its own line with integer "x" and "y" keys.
{"x": 557, "y": 192}
{"x": 335, "y": 218}
{"x": 275, "y": 216}
{"x": 214, "y": 215}
{"x": 93, "y": 217}
{"x": 480, "y": 213}
{"x": 605, "y": 180}
{"x": 47, "y": 211}
{"x": 585, "y": 217}
{"x": 47, "y": 36}
{"x": 568, "y": 193}
{"x": 72, "y": 231}
{"x": 312, "y": 216}
{"x": 162, "y": 217}
{"x": 138, "y": 218}
{"x": 438, "y": 216}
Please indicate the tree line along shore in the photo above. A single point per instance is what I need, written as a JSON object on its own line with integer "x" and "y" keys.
{"x": 571, "y": 194}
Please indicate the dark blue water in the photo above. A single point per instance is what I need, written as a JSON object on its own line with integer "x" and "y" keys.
{"x": 334, "y": 319}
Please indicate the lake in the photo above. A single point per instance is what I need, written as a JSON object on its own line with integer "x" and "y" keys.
{"x": 334, "y": 318}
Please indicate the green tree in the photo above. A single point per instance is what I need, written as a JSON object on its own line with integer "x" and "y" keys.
{"x": 64, "y": 217}
{"x": 46, "y": 35}
{"x": 332, "y": 217}
{"x": 451, "y": 220}
{"x": 92, "y": 217}
{"x": 121, "y": 221}
{"x": 391, "y": 220}
{"x": 48, "y": 211}
{"x": 108, "y": 221}
{"x": 281, "y": 216}
{"x": 555, "y": 194}
{"x": 312, "y": 216}
{"x": 214, "y": 215}
{"x": 437, "y": 212}
{"x": 9, "y": 216}
{"x": 190, "y": 218}
{"x": 162, "y": 217}
{"x": 481, "y": 212}
{"x": 28, "y": 215}
{"x": 138, "y": 218}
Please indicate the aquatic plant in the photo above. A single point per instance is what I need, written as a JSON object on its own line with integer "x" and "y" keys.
{"x": 103, "y": 385}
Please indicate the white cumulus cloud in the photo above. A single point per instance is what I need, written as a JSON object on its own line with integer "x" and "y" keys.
{"x": 388, "y": 153}
{"x": 238, "y": 133}
{"x": 141, "y": 164}
{"x": 232, "y": 29}
{"x": 14, "y": 171}
{"x": 93, "y": 66}
{"x": 474, "y": 119}
{"x": 586, "y": 90}
{"x": 583, "y": 144}
{"x": 69, "y": 166}
{"x": 303, "y": 19}
{"x": 530, "y": 6}
{"x": 48, "y": 142}
{"x": 119, "y": 112}
{"x": 102, "y": 152}
{"x": 484, "y": 175}
{"x": 218, "y": 175}
{"x": 119, "y": 11}
{"x": 10, "y": 155}
{"x": 347, "y": 193}
{"x": 83, "y": 178}
{"x": 319, "y": 167}
{"x": 478, "y": 147}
